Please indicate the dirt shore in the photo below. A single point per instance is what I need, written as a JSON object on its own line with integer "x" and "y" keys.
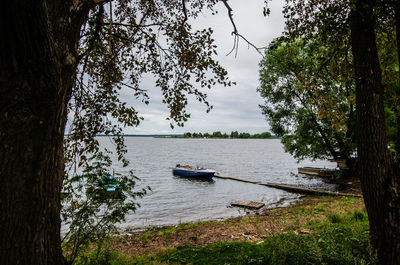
{"x": 251, "y": 228}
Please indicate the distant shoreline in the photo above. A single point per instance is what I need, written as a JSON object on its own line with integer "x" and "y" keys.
{"x": 144, "y": 135}
{"x": 181, "y": 136}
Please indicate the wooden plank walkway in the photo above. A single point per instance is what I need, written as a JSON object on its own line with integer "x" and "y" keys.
{"x": 237, "y": 179}
{"x": 307, "y": 190}
{"x": 250, "y": 205}
{"x": 290, "y": 188}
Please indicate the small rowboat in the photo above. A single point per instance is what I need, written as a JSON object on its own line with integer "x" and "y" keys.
{"x": 193, "y": 172}
{"x": 316, "y": 171}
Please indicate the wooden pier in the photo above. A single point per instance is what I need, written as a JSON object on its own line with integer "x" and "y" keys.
{"x": 302, "y": 190}
{"x": 237, "y": 179}
{"x": 290, "y": 188}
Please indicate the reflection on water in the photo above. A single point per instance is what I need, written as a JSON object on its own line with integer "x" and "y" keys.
{"x": 175, "y": 199}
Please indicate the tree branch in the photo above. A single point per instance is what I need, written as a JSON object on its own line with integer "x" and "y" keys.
{"x": 230, "y": 14}
{"x": 135, "y": 25}
{"x": 237, "y": 34}
{"x": 184, "y": 10}
{"x": 99, "y": 2}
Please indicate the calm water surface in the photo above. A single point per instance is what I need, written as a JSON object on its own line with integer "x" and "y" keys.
{"x": 174, "y": 199}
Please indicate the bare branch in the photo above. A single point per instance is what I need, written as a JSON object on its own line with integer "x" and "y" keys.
{"x": 135, "y": 25}
{"x": 249, "y": 43}
{"x": 237, "y": 35}
{"x": 184, "y": 10}
{"x": 230, "y": 14}
{"x": 99, "y": 2}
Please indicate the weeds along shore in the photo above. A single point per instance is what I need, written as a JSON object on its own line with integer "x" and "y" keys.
{"x": 314, "y": 230}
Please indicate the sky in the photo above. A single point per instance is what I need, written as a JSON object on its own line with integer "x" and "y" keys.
{"x": 235, "y": 108}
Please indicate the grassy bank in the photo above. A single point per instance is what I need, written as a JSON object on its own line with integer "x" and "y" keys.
{"x": 314, "y": 231}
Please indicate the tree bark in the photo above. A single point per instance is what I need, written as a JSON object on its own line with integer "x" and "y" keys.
{"x": 397, "y": 109}
{"x": 37, "y": 72}
{"x": 379, "y": 177}
{"x": 30, "y": 137}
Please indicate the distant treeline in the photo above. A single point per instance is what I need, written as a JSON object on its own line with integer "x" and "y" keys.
{"x": 235, "y": 134}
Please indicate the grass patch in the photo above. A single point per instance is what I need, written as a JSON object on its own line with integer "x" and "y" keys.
{"x": 321, "y": 230}
{"x": 334, "y": 218}
{"x": 337, "y": 239}
{"x": 103, "y": 257}
{"x": 344, "y": 242}
{"x": 220, "y": 253}
{"x": 168, "y": 230}
{"x": 250, "y": 220}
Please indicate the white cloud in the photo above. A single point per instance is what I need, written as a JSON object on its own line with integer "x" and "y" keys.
{"x": 235, "y": 108}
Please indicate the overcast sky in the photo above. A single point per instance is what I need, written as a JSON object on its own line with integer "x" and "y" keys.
{"x": 236, "y": 107}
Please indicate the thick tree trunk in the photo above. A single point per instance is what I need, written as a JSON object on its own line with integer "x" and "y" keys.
{"x": 37, "y": 73}
{"x": 31, "y": 137}
{"x": 379, "y": 178}
{"x": 397, "y": 109}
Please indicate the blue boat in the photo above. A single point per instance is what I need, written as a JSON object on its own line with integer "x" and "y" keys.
{"x": 193, "y": 172}
{"x": 109, "y": 183}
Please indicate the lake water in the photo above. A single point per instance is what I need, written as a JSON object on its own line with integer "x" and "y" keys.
{"x": 174, "y": 199}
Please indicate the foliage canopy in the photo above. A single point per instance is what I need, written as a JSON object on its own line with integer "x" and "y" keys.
{"x": 308, "y": 101}
{"x": 367, "y": 27}
{"x": 121, "y": 43}
{"x": 307, "y": 79}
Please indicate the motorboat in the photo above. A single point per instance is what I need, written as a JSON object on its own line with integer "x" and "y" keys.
{"x": 193, "y": 172}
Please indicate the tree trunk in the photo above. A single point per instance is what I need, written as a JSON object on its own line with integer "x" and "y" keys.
{"x": 37, "y": 73}
{"x": 30, "y": 137}
{"x": 378, "y": 175}
{"x": 397, "y": 108}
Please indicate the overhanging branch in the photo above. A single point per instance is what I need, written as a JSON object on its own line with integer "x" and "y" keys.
{"x": 237, "y": 35}
{"x": 99, "y": 2}
{"x": 184, "y": 10}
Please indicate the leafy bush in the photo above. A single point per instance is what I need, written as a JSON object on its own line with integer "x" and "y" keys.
{"x": 90, "y": 212}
